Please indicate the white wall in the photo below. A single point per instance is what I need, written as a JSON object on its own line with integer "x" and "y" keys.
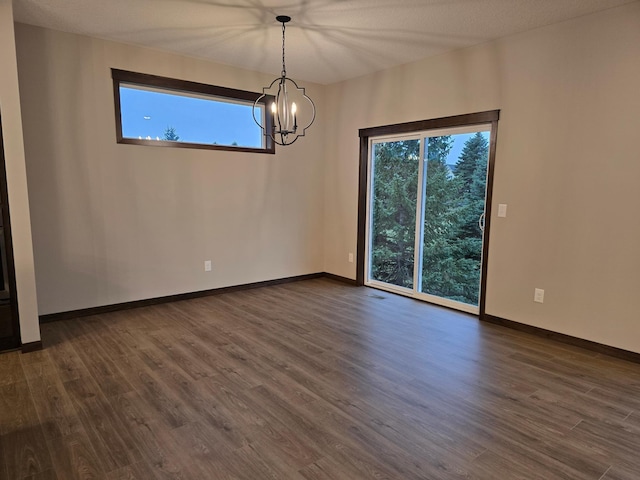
{"x": 17, "y": 179}
{"x": 568, "y": 166}
{"x": 115, "y": 223}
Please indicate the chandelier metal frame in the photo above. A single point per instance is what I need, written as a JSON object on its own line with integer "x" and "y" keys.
{"x": 284, "y": 129}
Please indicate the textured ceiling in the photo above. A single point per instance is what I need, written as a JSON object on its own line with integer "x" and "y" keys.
{"x": 327, "y": 40}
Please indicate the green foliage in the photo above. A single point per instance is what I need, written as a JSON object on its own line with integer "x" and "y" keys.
{"x": 452, "y": 246}
{"x": 394, "y": 211}
{"x": 453, "y": 239}
{"x": 170, "y": 134}
{"x": 440, "y": 255}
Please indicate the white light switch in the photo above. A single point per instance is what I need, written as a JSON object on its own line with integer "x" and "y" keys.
{"x": 351, "y": 258}
{"x": 207, "y": 265}
{"x": 538, "y": 295}
{"x": 502, "y": 210}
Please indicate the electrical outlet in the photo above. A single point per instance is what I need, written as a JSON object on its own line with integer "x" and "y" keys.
{"x": 207, "y": 265}
{"x": 538, "y": 295}
{"x": 502, "y": 210}
{"x": 350, "y": 257}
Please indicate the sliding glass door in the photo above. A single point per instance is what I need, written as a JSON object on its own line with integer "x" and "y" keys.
{"x": 426, "y": 203}
{"x": 395, "y": 167}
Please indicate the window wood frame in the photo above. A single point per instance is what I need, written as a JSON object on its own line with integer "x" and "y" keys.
{"x": 155, "y": 81}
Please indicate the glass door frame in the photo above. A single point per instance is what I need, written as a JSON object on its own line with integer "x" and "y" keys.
{"x": 417, "y": 248}
{"x": 420, "y": 130}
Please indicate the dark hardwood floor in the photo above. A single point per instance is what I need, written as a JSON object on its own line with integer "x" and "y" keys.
{"x": 312, "y": 380}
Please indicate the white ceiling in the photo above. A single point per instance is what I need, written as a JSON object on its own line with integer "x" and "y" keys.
{"x": 327, "y": 40}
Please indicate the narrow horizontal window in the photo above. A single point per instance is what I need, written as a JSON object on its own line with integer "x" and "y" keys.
{"x": 160, "y": 111}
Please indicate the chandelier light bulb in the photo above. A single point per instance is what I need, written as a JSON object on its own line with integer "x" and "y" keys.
{"x": 294, "y": 109}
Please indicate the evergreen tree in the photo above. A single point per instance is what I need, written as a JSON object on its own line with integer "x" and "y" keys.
{"x": 471, "y": 170}
{"x": 439, "y": 272}
{"x": 438, "y": 148}
{"x": 170, "y": 134}
{"x": 453, "y": 203}
{"x": 473, "y": 155}
{"x": 452, "y": 240}
{"x": 394, "y": 211}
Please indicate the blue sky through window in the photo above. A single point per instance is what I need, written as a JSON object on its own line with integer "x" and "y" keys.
{"x": 196, "y": 119}
{"x": 458, "y": 144}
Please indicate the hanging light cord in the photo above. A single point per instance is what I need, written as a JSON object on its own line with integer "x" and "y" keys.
{"x": 284, "y": 68}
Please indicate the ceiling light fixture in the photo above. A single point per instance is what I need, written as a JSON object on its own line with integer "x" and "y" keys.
{"x": 285, "y": 128}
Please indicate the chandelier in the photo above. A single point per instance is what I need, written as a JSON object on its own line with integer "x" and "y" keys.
{"x": 284, "y": 128}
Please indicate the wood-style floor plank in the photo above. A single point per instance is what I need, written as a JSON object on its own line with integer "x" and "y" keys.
{"x": 10, "y": 368}
{"x": 312, "y": 380}
{"x": 74, "y": 457}
{"x": 47, "y": 475}
{"x": 24, "y": 447}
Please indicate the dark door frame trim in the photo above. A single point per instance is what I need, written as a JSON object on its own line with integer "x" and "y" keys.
{"x": 14, "y": 340}
{"x": 480, "y": 118}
